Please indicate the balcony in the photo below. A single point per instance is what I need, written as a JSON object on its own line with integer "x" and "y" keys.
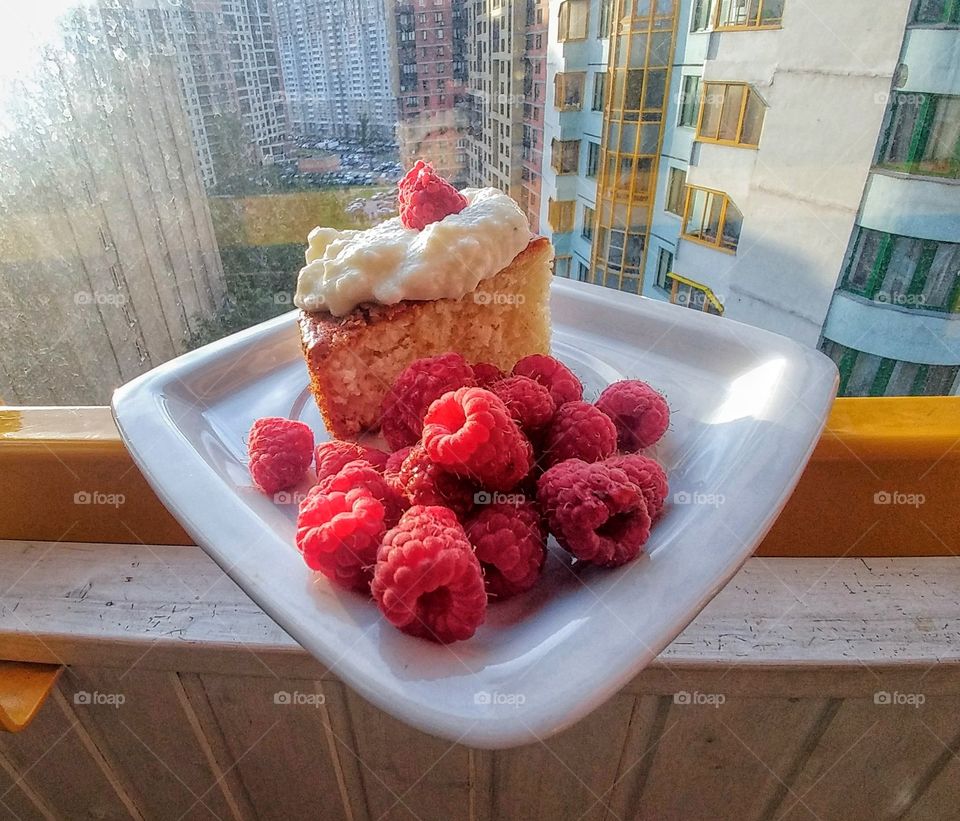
{"x": 841, "y": 634}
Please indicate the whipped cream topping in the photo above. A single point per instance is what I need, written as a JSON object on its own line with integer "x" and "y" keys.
{"x": 389, "y": 263}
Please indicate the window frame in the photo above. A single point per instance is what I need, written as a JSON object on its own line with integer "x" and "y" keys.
{"x": 920, "y": 136}
{"x": 668, "y": 199}
{"x": 599, "y": 79}
{"x": 721, "y": 222}
{"x": 560, "y": 80}
{"x": 753, "y": 26}
{"x": 707, "y": 93}
{"x": 557, "y": 157}
{"x": 564, "y": 19}
{"x": 709, "y": 297}
{"x": 588, "y": 222}
{"x": 561, "y": 215}
{"x": 683, "y": 103}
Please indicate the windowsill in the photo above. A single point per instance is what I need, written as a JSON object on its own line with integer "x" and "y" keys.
{"x": 729, "y": 143}
{"x": 768, "y": 27}
{"x": 705, "y": 244}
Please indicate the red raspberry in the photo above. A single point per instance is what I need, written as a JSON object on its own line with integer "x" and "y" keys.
{"x": 428, "y": 581}
{"x": 579, "y": 430}
{"x": 280, "y": 452}
{"x": 646, "y": 474}
{"x": 595, "y": 511}
{"x": 639, "y": 412}
{"x": 339, "y": 534}
{"x": 333, "y": 455}
{"x": 530, "y": 403}
{"x": 360, "y": 473}
{"x": 394, "y": 460}
{"x": 553, "y": 375}
{"x": 422, "y": 381}
{"x": 486, "y": 374}
{"x": 469, "y": 432}
{"x": 424, "y": 482}
{"x": 424, "y": 197}
{"x": 511, "y": 545}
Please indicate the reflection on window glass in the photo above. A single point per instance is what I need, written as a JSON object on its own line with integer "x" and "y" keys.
{"x": 162, "y": 161}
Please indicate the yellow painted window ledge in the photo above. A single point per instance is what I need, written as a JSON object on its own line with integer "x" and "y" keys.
{"x": 882, "y": 482}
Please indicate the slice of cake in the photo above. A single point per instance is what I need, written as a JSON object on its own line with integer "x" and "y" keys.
{"x": 456, "y": 271}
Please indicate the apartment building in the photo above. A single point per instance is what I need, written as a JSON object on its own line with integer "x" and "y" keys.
{"x": 227, "y": 68}
{"x": 431, "y": 65}
{"x": 787, "y": 179}
{"x": 337, "y": 62}
{"x": 503, "y": 104}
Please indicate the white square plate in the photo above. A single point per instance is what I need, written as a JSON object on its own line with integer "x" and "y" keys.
{"x": 747, "y": 409}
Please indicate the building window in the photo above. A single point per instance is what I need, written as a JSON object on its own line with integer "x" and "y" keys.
{"x": 937, "y": 11}
{"x": 573, "y": 19}
{"x": 599, "y": 90}
{"x": 676, "y": 189}
{"x": 593, "y": 158}
{"x": 865, "y": 374}
{"x": 741, "y": 14}
{"x": 606, "y": 12}
{"x": 904, "y": 271}
{"x": 664, "y": 267}
{"x": 701, "y": 16}
{"x": 586, "y": 230}
{"x": 710, "y": 218}
{"x": 689, "y": 101}
{"x": 583, "y": 272}
{"x": 560, "y": 215}
{"x": 564, "y": 156}
{"x": 922, "y": 135}
{"x": 568, "y": 90}
{"x": 691, "y": 294}
{"x": 730, "y": 113}
{"x": 561, "y": 265}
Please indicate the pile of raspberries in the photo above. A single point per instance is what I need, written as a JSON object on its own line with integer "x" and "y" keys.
{"x": 483, "y": 466}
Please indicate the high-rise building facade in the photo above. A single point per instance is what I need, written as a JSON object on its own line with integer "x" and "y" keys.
{"x": 430, "y": 42}
{"x": 506, "y": 42}
{"x": 228, "y": 70}
{"x": 785, "y": 180}
{"x": 336, "y": 57}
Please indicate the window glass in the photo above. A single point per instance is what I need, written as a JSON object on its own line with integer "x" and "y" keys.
{"x": 676, "y": 188}
{"x": 588, "y": 216}
{"x": 689, "y": 101}
{"x": 599, "y": 88}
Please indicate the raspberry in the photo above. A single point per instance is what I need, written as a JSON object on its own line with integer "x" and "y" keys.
{"x": 333, "y": 455}
{"x": 510, "y": 543}
{"x": 360, "y": 473}
{"x": 486, "y": 373}
{"x": 280, "y": 452}
{"x": 640, "y": 413}
{"x": 595, "y": 511}
{"x": 553, "y": 375}
{"x": 529, "y": 403}
{"x": 424, "y": 482}
{"x": 339, "y": 534}
{"x": 469, "y": 432}
{"x": 647, "y": 475}
{"x": 427, "y": 580}
{"x": 422, "y": 381}
{"x": 424, "y": 197}
{"x": 394, "y": 460}
{"x": 579, "y": 430}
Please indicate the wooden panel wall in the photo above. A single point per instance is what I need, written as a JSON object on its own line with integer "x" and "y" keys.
{"x": 150, "y": 744}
